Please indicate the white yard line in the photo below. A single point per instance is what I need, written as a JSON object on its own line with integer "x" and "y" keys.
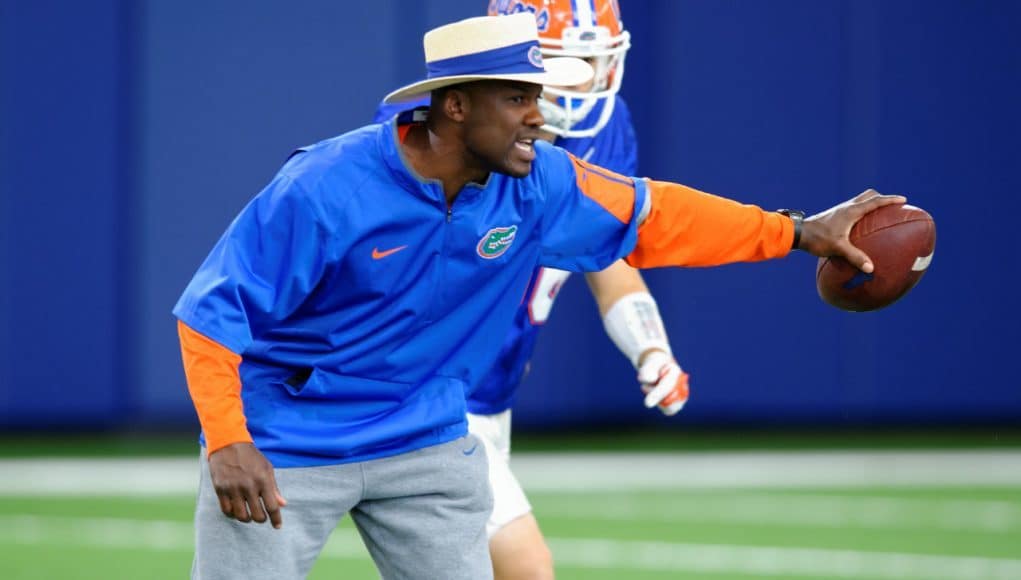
{"x": 784, "y": 562}
{"x": 123, "y": 533}
{"x": 826, "y": 511}
{"x": 577, "y": 471}
{"x": 793, "y": 469}
{"x": 95, "y": 477}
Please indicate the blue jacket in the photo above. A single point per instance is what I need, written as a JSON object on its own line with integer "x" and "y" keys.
{"x": 365, "y": 311}
{"x": 615, "y": 147}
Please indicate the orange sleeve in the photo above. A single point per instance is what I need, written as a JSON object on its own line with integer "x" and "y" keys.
{"x": 687, "y": 227}
{"x": 215, "y": 387}
{"x": 613, "y": 192}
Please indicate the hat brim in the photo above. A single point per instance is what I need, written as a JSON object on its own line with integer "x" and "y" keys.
{"x": 560, "y": 72}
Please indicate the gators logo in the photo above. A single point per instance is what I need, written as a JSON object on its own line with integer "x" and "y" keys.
{"x": 496, "y": 242}
{"x": 535, "y": 57}
{"x": 515, "y": 6}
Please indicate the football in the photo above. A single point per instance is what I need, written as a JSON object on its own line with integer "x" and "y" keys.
{"x": 900, "y": 240}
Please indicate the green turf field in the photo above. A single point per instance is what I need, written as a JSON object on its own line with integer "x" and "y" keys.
{"x": 607, "y": 516}
{"x": 876, "y": 533}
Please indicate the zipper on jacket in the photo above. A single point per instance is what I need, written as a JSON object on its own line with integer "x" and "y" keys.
{"x": 437, "y": 298}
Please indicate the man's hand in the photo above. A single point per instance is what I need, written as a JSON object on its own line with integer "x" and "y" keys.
{"x": 664, "y": 383}
{"x": 826, "y": 234}
{"x": 244, "y": 482}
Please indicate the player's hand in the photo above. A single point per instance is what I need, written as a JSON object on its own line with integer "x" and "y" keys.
{"x": 664, "y": 383}
{"x": 244, "y": 483}
{"x": 827, "y": 233}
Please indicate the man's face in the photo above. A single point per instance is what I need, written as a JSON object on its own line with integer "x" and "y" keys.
{"x": 501, "y": 124}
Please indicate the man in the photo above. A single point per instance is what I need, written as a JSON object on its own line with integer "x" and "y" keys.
{"x": 331, "y": 336}
{"x": 592, "y": 122}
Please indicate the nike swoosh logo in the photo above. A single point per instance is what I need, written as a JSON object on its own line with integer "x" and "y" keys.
{"x": 377, "y": 255}
{"x": 470, "y": 451}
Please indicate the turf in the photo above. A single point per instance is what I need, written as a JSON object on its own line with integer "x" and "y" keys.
{"x": 735, "y": 534}
{"x": 109, "y": 537}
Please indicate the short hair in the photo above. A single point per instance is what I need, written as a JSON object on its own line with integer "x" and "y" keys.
{"x": 437, "y": 95}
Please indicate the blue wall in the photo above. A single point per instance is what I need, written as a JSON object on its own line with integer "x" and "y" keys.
{"x": 131, "y": 133}
{"x": 63, "y": 179}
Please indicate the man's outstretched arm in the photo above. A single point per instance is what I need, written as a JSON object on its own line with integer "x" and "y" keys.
{"x": 681, "y": 226}
{"x": 677, "y": 225}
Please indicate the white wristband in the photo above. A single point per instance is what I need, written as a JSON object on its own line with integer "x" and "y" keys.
{"x": 634, "y": 325}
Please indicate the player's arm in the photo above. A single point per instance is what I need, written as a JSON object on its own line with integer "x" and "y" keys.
{"x": 683, "y": 226}
{"x": 668, "y": 224}
{"x": 633, "y": 323}
{"x": 688, "y": 227}
{"x": 241, "y": 475}
{"x": 674, "y": 225}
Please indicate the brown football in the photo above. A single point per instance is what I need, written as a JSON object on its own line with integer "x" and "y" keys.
{"x": 900, "y": 240}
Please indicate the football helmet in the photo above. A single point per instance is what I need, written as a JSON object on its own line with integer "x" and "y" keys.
{"x": 588, "y": 29}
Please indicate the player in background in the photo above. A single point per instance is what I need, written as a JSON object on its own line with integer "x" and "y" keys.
{"x": 592, "y": 122}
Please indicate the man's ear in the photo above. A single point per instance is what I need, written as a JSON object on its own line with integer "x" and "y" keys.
{"x": 456, "y": 105}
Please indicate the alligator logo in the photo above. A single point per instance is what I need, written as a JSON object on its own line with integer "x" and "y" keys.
{"x": 496, "y": 242}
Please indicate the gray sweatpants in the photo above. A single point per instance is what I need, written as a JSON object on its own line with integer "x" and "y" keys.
{"x": 421, "y": 514}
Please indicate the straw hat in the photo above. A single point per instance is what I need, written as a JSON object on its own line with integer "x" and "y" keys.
{"x": 490, "y": 47}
